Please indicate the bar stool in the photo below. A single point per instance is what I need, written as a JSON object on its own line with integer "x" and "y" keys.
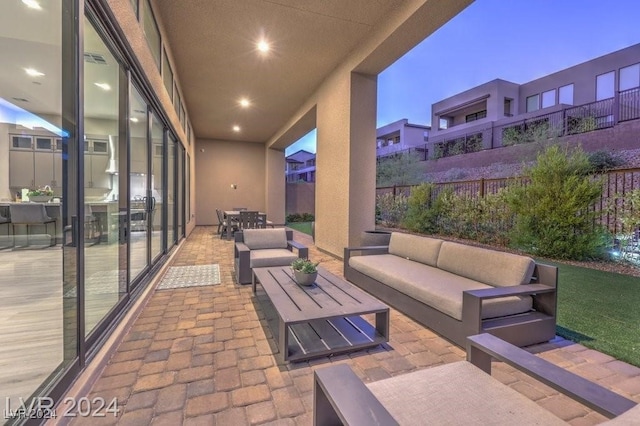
{"x": 5, "y": 221}
{"x": 30, "y": 214}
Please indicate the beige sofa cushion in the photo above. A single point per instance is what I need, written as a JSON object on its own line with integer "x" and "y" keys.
{"x": 457, "y": 394}
{"x": 257, "y": 239}
{"x": 414, "y": 247}
{"x": 490, "y": 267}
{"x": 434, "y": 287}
{"x": 270, "y": 257}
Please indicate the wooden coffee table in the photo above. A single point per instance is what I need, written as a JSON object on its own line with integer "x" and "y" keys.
{"x": 319, "y": 320}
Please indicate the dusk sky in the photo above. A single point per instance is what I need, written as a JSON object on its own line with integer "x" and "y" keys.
{"x": 515, "y": 40}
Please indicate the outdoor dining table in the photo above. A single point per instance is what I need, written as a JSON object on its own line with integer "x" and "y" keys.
{"x": 234, "y": 215}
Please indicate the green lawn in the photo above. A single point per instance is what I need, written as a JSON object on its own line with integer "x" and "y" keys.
{"x": 600, "y": 310}
{"x": 304, "y": 227}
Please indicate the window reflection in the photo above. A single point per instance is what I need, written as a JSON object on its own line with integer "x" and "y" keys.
{"x": 104, "y": 282}
{"x": 38, "y": 321}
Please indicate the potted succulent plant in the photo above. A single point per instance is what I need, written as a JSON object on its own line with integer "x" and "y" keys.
{"x": 305, "y": 271}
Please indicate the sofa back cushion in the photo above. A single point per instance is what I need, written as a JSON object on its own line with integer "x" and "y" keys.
{"x": 257, "y": 239}
{"x": 414, "y": 247}
{"x": 490, "y": 267}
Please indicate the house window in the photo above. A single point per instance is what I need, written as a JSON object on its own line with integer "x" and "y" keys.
{"x": 630, "y": 77}
{"x": 549, "y": 98}
{"x": 507, "y": 107}
{"x": 476, "y": 116}
{"x": 151, "y": 32}
{"x": 605, "y": 86}
{"x": 533, "y": 103}
{"x": 167, "y": 75}
{"x": 443, "y": 123}
{"x": 565, "y": 94}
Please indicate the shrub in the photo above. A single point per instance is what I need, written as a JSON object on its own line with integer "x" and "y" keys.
{"x": 392, "y": 208}
{"x": 485, "y": 219}
{"x": 422, "y": 210}
{"x": 553, "y": 214}
{"x": 300, "y": 217}
{"x": 400, "y": 169}
{"x": 603, "y": 160}
{"x": 629, "y": 218}
{"x": 307, "y": 217}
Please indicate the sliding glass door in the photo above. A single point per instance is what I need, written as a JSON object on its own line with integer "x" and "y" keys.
{"x": 157, "y": 176}
{"x": 139, "y": 186}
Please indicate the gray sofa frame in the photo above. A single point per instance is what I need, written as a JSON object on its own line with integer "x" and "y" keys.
{"x": 242, "y": 256}
{"x": 340, "y": 397}
{"x": 521, "y": 330}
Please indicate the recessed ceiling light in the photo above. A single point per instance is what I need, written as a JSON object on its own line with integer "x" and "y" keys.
{"x": 236, "y": 128}
{"x": 244, "y": 102}
{"x": 33, "y": 72}
{"x": 134, "y": 119}
{"x": 103, "y": 86}
{"x": 32, "y": 4}
{"x": 263, "y": 46}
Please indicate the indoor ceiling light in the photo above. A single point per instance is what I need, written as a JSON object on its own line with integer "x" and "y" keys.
{"x": 32, "y": 4}
{"x": 244, "y": 102}
{"x": 103, "y": 86}
{"x": 33, "y": 72}
{"x": 134, "y": 119}
{"x": 236, "y": 128}
{"x": 263, "y": 46}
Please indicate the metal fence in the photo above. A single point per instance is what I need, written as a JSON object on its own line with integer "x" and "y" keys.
{"x": 616, "y": 184}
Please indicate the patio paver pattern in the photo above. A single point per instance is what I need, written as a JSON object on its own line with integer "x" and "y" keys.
{"x": 203, "y": 356}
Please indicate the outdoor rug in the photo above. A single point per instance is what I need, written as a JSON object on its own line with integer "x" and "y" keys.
{"x": 190, "y": 276}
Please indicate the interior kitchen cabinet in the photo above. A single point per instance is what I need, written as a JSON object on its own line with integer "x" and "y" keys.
{"x": 96, "y": 162}
{"x": 35, "y": 161}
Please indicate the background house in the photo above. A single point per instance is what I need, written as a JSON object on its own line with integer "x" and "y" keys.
{"x": 301, "y": 166}
{"x": 596, "y": 94}
{"x": 400, "y": 135}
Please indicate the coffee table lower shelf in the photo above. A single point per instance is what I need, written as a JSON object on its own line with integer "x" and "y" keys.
{"x": 330, "y": 336}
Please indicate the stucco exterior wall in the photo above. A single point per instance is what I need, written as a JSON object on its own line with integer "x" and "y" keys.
{"x": 217, "y": 168}
{"x": 301, "y": 198}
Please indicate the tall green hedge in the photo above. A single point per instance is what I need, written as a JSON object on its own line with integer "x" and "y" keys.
{"x": 553, "y": 212}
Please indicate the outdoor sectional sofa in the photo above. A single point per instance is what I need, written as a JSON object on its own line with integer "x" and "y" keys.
{"x": 459, "y": 290}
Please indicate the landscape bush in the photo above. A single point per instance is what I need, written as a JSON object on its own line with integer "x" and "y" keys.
{"x": 553, "y": 212}
{"x": 300, "y": 217}
{"x": 392, "y": 209}
{"x": 603, "y": 160}
{"x": 422, "y": 209}
{"x": 485, "y": 219}
{"x": 404, "y": 168}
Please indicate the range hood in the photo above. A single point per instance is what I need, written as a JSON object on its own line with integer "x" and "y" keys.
{"x": 112, "y": 167}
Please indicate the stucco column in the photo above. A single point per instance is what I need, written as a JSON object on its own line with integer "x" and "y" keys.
{"x": 345, "y": 162}
{"x": 275, "y": 187}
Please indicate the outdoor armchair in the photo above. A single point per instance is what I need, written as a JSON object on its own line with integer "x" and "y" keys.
{"x": 459, "y": 393}
{"x": 260, "y": 248}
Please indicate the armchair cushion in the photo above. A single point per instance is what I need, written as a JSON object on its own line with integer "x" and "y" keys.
{"x": 457, "y": 393}
{"x": 271, "y": 257}
{"x": 258, "y": 239}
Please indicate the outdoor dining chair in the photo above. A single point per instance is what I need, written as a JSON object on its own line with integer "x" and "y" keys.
{"x": 225, "y": 225}
{"x": 249, "y": 219}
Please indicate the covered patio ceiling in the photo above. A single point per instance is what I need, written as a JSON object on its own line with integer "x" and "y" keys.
{"x": 213, "y": 43}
